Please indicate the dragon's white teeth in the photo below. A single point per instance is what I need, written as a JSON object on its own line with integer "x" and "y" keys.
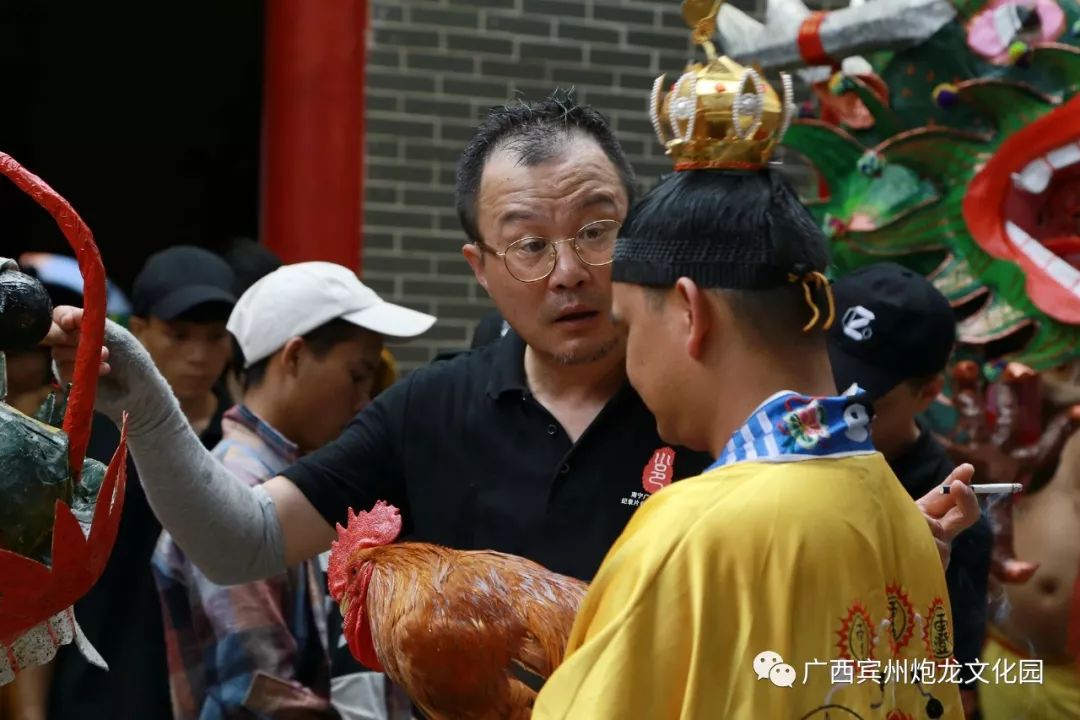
{"x": 1039, "y": 254}
{"x": 1017, "y": 235}
{"x": 1062, "y": 272}
{"x": 1035, "y": 177}
{"x": 1064, "y": 156}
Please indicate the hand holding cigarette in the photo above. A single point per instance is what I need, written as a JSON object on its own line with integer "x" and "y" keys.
{"x": 950, "y": 515}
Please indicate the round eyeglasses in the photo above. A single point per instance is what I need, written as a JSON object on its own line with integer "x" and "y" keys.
{"x": 532, "y": 259}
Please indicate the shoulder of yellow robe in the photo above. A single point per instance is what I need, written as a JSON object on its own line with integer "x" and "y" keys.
{"x": 803, "y": 559}
{"x": 756, "y": 500}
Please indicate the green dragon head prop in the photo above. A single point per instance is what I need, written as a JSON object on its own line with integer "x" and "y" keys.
{"x": 59, "y": 511}
{"x": 945, "y": 136}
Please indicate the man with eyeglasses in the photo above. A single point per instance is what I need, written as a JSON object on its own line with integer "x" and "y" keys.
{"x": 535, "y": 445}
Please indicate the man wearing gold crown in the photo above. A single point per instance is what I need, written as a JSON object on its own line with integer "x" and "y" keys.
{"x": 794, "y": 578}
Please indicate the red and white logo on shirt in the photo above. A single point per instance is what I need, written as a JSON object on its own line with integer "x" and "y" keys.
{"x": 657, "y": 475}
{"x": 658, "y": 470}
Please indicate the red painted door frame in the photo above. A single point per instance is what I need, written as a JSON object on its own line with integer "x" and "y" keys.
{"x": 311, "y": 195}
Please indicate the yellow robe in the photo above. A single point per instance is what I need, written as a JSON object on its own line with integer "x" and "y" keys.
{"x": 804, "y": 559}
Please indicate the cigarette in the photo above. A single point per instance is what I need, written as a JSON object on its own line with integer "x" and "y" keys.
{"x": 990, "y": 488}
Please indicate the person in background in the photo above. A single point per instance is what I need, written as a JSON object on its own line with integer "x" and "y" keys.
{"x": 352, "y": 686}
{"x": 181, "y": 300}
{"x": 308, "y": 341}
{"x": 61, "y": 276}
{"x": 250, "y": 261}
{"x": 893, "y": 338}
{"x": 356, "y": 692}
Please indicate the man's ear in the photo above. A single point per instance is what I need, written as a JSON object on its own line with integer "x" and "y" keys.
{"x": 475, "y": 257}
{"x": 696, "y": 314}
{"x": 929, "y": 393}
{"x": 291, "y": 354}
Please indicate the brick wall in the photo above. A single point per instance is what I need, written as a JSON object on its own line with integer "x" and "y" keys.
{"x": 434, "y": 67}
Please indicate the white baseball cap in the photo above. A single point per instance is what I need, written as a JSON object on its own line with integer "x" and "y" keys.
{"x": 295, "y": 299}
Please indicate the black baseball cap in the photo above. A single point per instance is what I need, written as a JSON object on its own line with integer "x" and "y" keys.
{"x": 891, "y": 325}
{"x": 178, "y": 279}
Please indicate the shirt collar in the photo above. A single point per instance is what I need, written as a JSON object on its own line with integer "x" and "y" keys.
{"x": 788, "y": 427}
{"x": 243, "y": 415}
{"x": 507, "y": 366}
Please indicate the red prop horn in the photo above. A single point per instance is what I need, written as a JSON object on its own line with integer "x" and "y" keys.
{"x": 80, "y": 406}
{"x": 31, "y": 592}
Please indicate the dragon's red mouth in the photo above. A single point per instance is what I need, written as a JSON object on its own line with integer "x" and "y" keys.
{"x": 1024, "y": 206}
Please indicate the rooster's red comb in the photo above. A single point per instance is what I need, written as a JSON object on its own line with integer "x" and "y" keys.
{"x": 378, "y": 526}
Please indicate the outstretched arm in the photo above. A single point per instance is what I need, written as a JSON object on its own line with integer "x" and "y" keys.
{"x": 233, "y": 532}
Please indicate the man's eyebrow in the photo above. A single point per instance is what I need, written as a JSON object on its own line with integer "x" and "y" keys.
{"x": 515, "y": 215}
{"x": 590, "y": 200}
{"x": 597, "y": 198}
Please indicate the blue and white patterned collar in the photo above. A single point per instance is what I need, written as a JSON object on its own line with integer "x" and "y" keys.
{"x": 789, "y": 427}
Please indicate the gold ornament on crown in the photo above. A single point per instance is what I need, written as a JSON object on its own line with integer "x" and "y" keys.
{"x": 720, "y": 114}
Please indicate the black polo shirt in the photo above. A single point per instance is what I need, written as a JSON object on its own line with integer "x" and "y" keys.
{"x": 473, "y": 461}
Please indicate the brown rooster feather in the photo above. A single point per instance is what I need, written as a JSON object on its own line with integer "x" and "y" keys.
{"x": 454, "y": 628}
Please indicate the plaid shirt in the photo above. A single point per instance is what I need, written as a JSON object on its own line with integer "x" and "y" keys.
{"x": 245, "y": 651}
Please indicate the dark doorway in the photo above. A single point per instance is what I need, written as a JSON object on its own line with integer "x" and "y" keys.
{"x": 144, "y": 115}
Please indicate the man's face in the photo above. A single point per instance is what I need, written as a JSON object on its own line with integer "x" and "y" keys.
{"x": 566, "y": 315}
{"x": 331, "y": 389}
{"x": 653, "y": 355}
{"x": 191, "y": 355}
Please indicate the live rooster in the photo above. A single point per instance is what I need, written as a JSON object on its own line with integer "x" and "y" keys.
{"x": 456, "y": 629}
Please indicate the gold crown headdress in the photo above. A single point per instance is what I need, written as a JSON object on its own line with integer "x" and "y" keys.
{"x": 720, "y": 114}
